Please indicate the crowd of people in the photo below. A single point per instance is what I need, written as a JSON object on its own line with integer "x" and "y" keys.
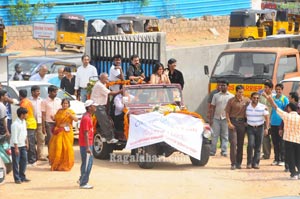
{"x": 49, "y": 121}
{"x": 264, "y": 117}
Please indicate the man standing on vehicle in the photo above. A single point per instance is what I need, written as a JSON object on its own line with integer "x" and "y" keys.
{"x": 100, "y": 96}
{"x": 281, "y": 101}
{"x": 218, "y": 118}
{"x": 135, "y": 73}
{"x": 41, "y": 75}
{"x": 235, "y": 115}
{"x": 116, "y": 72}
{"x": 82, "y": 78}
{"x": 175, "y": 75}
{"x": 49, "y": 107}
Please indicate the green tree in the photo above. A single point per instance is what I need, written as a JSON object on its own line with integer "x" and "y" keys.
{"x": 22, "y": 12}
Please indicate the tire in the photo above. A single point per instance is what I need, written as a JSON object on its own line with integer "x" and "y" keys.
{"x": 101, "y": 150}
{"x": 144, "y": 153}
{"x": 62, "y": 47}
{"x": 204, "y": 156}
{"x": 8, "y": 167}
{"x": 3, "y": 50}
{"x": 250, "y": 39}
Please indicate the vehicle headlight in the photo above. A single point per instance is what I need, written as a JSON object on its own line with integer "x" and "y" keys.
{"x": 207, "y": 131}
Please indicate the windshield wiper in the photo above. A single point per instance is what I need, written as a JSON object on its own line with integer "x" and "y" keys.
{"x": 256, "y": 77}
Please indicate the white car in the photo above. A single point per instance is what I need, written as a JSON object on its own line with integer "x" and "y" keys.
{"x": 13, "y": 88}
{"x": 291, "y": 85}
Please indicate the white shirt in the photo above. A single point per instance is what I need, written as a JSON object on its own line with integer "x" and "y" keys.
{"x": 83, "y": 76}
{"x": 113, "y": 76}
{"x": 37, "y": 77}
{"x": 119, "y": 105}
{"x": 100, "y": 93}
{"x": 220, "y": 100}
{"x": 37, "y": 107}
{"x": 18, "y": 133}
{"x": 255, "y": 115}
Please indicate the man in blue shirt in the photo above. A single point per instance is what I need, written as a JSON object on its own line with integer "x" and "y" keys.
{"x": 281, "y": 101}
{"x": 57, "y": 79}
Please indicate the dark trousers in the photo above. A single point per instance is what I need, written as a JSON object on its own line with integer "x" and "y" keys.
{"x": 31, "y": 154}
{"x": 105, "y": 123}
{"x": 236, "y": 140}
{"x": 293, "y": 157}
{"x": 278, "y": 144}
{"x": 19, "y": 163}
{"x": 267, "y": 145}
{"x": 49, "y": 126}
{"x": 255, "y": 136}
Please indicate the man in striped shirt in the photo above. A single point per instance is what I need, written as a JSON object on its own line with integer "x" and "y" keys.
{"x": 291, "y": 135}
{"x": 257, "y": 115}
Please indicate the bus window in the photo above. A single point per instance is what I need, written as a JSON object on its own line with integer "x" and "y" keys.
{"x": 287, "y": 64}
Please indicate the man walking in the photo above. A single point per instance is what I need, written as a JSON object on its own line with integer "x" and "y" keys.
{"x": 218, "y": 118}
{"x": 235, "y": 115}
{"x": 291, "y": 135}
{"x": 86, "y": 134}
{"x": 257, "y": 115}
{"x": 82, "y": 78}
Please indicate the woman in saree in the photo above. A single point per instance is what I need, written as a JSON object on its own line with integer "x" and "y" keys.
{"x": 61, "y": 153}
{"x": 158, "y": 76}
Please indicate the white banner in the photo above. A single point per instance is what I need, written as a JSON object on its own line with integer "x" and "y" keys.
{"x": 181, "y": 131}
{"x": 44, "y": 31}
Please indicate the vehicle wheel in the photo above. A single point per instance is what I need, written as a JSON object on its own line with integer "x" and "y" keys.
{"x": 204, "y": 156}
{"x": 147, "y": 156}
{"x": 101, "y": 150}
{"x": 8, "y": 167}
{"x": 3, "y": 50}
{"x": 250, "y": 39}
{"x": 62, "y": 47}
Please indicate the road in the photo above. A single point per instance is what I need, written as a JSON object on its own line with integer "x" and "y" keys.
{"x": 174, "y": 177}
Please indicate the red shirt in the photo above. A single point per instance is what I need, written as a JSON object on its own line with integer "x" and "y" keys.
{"x": 86, "y": 124}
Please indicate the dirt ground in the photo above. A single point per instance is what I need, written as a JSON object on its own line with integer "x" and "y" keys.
{"x": 174, "y": 177}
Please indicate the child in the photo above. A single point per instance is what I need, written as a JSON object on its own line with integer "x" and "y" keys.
{"x": 19, "y": 145}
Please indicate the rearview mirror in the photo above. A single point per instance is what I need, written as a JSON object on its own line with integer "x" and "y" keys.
{"x": 206, "y": 70}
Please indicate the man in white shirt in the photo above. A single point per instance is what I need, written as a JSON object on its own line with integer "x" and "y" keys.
{"x": 116, "y": 72}
{"x": 36, "y": 101}
{"x": 82, "y": 78}
{"x": 19, "y": 145}
{"x": 41, "y": 75}
{"x": 99, "y": 96}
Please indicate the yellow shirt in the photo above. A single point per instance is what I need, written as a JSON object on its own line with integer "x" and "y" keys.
{"x": 30, "y": 120}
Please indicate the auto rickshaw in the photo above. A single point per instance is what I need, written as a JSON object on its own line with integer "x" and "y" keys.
{"x": 70, "y": 31}
{"x": 3, "y": 36}
{"x": 244, "y": 24}
{"x": 142, "y": 23}
{"x": 102, "y": 27}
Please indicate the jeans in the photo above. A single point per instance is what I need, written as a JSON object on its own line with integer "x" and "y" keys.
{"x": 86, "y": 165}
{"x": 31, "y": 154}
{"x": 267, "y": 145}
{"x": 220, "y": 128}
{"x": 293, "y": 157}
{"x": 236, "y": 139}
{"x": 83, "y": 94}
{"x": 255, "y": 136}
{"x": 278, "y": 143}
{"x": 49, "y": 127}
{"x": 19, "y": 163}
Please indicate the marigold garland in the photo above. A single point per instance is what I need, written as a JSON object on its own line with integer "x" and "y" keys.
{"x": 118, "y": 82}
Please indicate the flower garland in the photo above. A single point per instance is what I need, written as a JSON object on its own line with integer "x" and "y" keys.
{"x": 119, "y": 82}
{"x": 167, "y": 109}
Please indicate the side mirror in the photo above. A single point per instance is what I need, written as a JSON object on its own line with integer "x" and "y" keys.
{"x": 266, "y": 68}
{"x": 206, "y": 70}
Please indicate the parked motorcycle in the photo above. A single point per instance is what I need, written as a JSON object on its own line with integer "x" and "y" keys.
{"x": 5, "y": 153}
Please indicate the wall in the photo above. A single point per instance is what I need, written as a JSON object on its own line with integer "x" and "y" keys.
{"x": 191, "y": 62}
{"x": 180, "y": 25}
{"x": 160, "y": 8}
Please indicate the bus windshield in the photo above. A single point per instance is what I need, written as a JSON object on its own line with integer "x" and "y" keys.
{"x": 245, "y": 64}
